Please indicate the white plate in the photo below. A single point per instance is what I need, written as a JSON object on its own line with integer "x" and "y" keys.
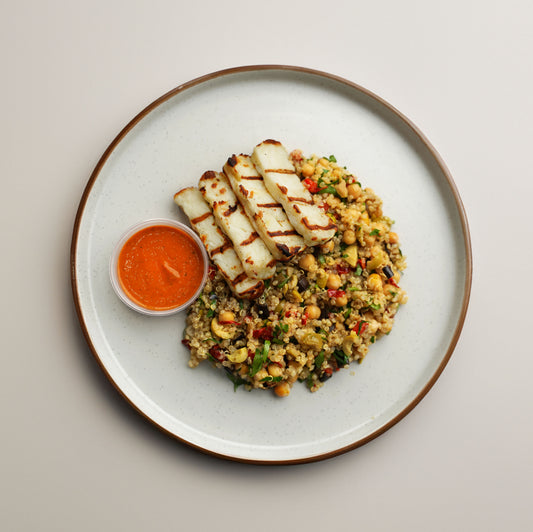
{"x": 195, "y": 128}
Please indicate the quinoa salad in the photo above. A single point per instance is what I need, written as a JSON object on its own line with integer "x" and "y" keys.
{"x": 321, "y": 310}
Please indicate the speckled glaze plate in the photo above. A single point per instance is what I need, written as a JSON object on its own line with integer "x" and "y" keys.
{"x": 194, "y": 128}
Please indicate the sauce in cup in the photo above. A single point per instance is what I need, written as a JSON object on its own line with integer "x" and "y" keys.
{"x": 159, "y": 267}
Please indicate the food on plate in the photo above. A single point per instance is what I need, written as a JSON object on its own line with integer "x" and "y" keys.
{"x": 256, "y": 259}
{"x": 160, "y": 267}
{"x": 324, "y": 307}
{"x": 218, "y": 246}
{"x": 273, "y": 163}
{"x": 265, "y": 213}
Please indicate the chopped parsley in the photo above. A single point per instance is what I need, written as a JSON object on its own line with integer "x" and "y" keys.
{"x": 374, "y": 232}
{"x": 330, "y": 189}
{"x": 284, "y": 282}
{"x": 332, "y": 159}
{"x": 341, "y": 358}
{"x": 278, "y": 332}
{"x": 261, "y": 356}
{"x": 319, "y": 360}
{"x": 271, "y": 379}
{"x": 237, "y": 381}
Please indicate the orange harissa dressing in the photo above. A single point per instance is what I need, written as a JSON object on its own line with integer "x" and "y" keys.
{"x": 160, "y": 267}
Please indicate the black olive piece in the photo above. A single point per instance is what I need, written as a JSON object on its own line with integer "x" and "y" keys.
{"x": 303, "y": 284}
{"x": 262, "y": 311}
{"x": 324, "y": 313}
{"x": 387, "y": 270}
{"x": 325, "y": 376}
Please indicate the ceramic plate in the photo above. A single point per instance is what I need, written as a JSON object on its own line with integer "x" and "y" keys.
{"x": 195, "y": 128}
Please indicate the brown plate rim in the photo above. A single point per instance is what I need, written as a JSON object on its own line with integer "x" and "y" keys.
{"x": 305, "y": 70}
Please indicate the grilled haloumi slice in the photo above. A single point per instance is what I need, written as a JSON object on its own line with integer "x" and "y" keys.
{"x": 265, "y": 213}
{"x": 218, "y": 246}
{"x": 272, "y": 161}
{"x": 256, "y": 259}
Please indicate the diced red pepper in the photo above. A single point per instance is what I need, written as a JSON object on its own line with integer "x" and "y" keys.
{"x": 217, "y": 353}
{"x": 342, "y": 269}
{"x": 360, "y": 327}
{"x": 211, "y": 272}
{"x": 362, "y": 263}
{"x": 186, "y": 343}
{"x": 229, "y": 322}
{"x": 264, "y": 333}
{"x": 310, "y": 185}
{"x": 305, "y": 317}
{"x": 336, "y": 293}
{"x": 393, "y": 282}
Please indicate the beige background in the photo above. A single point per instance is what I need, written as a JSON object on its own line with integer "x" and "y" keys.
{"x": 74, "y": 455}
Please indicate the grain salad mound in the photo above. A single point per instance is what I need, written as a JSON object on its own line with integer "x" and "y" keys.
{"x": 321, "y": 310}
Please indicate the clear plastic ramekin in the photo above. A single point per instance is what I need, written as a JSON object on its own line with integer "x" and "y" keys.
{"x": 113, "y": 263}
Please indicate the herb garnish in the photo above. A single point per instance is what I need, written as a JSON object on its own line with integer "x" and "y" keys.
{"x": 261, "y": 356}
{"x": 237, "y": 381}
{"x": 319, "y": 360}
{"x": 341, "y": 358}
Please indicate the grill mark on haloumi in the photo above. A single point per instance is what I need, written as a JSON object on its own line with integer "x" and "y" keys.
{"x": 221, "y": 249}
{"x": 300, "y": 200}
{"x": 201, "y": 218}
{"x": 265, "y": 213}
{"x": 272, "y": 161}
{"x": 218, "y": 246}
{"x": 230, "y": 210}
{"x": 255, "y": 256}
{"x": 280, "y": 171}
{"x": 250, "y": 240}
{"x": 282, "y": 233}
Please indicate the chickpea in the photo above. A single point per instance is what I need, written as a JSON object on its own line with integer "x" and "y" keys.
{"x": 313, "y": 312}
{"x": 282, "y": 389}
{"x": 334, "y": 281}
{"x": 308, "y": 170}
{"x": 274, "y": 370}
{"x": 393, "y": 238}
{"x": 328, "y": 247}
{"x": 307, "y": 262}
{"x": 341, "y": 301}
{"x": 341, "y": 188}
{"x": 226, "y": 316}
{"x": 375, "y": 283}
{"x": 261, "y": 374}
{"x": 348, "y": 237}
{"x": 354, "y": 191}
